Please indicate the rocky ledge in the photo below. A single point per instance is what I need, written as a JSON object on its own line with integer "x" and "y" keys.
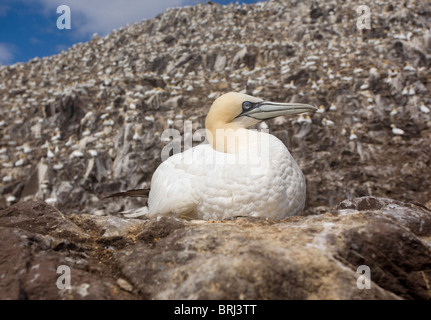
{"x": 303, "y": 257}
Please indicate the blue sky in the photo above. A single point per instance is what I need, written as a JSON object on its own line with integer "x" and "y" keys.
{"x": 28, "y": 28}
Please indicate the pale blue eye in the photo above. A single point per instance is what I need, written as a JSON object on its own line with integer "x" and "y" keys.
{"x": 246, "y": 105}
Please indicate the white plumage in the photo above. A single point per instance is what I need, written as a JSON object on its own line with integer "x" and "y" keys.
{"x": 217, "y": 185}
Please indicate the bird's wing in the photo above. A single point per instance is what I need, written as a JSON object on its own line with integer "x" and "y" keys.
{"x": 175, "y": 182}
{"x": 131, "y": 193}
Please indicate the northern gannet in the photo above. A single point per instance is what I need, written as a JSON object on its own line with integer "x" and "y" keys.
{"x": 240, "y": 172}
{"x": 423, "y": 108}
{"x": 397, "y": 131}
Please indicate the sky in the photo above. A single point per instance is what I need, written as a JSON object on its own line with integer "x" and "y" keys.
{"x": 28, "y": 28}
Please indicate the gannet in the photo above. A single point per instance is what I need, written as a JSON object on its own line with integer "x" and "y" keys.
{"x": 423, "y": 108}
{"x": 50, "y": 154}
{"x": 240, "y": 172}
{"x": 352, "y": 136}
{"x": 397, "y": 131}
{"x": 321, "y": 109}
{"x": 20, "y": 161}
{"x": 327, "y": 122}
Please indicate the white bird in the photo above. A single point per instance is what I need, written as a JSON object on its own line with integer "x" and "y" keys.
{"x": 51, "y": 201}
{"x": 291, "y": 85}
{"x": 45, "y": 145}
{"x": 69, "y": 142}
{"x": 327, "y": 122}
{"x": 93, "y": 153}
{"x": 137, "y": 135}
{"x": 27, "y": 148}
{"x": 58, "y": 166}
{"x": 57, "y": 136}
{"x": 409, "y": 67}
{"x": 50, "y": 154}
{"x": 321, "y": 109}
{"x": 108, "y": 122}
{"x": 397, "y": 131}
{"x": 300, "y": 119}
{"x": 7, "y": 179}
{"x": 149, "y": 118}
{"x": 307, "y": 119}
{"x": 20, "y": 162}
{"x": 240, "y": 172}
{"x": 423, "y": 108}
{"x": 352, "y": 135}
{"x": 86, "y": 133}
{"x": 77, "y": 154}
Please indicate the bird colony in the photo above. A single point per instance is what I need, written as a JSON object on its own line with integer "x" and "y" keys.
{"x": 91, "y": 120}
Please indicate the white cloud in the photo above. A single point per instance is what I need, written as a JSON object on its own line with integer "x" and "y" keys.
{"x": 102, "y": 16}
{"x": 7, "y": 52}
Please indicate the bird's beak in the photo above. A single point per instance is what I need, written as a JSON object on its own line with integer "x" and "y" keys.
{"x": 267, "y": 110}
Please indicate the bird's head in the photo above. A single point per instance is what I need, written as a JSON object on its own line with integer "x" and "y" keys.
{"x": 242, "y": 110}
{"x": 237, "y": 110}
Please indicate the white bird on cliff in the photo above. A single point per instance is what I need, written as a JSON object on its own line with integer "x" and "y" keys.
{"x": 241, "y": 172}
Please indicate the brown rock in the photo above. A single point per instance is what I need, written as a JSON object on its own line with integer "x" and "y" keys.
{"x": 36, "y": 239}
{"x": 304, "y": 257}
{"x": 313, "y": 257}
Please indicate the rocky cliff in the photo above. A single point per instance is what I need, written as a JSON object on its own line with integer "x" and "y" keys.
{"x": 90, "y": 121}
{"x": 69, "y": 121}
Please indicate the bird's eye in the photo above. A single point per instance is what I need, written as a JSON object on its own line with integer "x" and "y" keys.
{"x": 246, "y": 105}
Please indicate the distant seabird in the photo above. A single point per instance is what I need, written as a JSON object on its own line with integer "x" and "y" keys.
{"x": 241, "y": 172}
{"x": 397, "y": 131}
{"x": 27, "y": 148}
{"x": 321, "y": 109}
{"x": 423, "y": 108}
{"x": 327, "y": 122}
{"x": 394, "y": 112}
{"x": 352, "y": 136}
{"x": 20, "y": 161}
{"x": 50, "y": 154}
{"x": 58, "y": 166}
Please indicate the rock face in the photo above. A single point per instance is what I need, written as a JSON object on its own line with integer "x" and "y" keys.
{"x": 90, "y": 120}
{"x": 303, "y": 257}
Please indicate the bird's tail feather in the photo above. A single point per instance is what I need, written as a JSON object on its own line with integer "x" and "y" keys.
{"x": 134, "y": 213}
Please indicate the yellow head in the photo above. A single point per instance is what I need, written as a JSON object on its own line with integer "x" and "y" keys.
{"x": 240, "y": 111}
